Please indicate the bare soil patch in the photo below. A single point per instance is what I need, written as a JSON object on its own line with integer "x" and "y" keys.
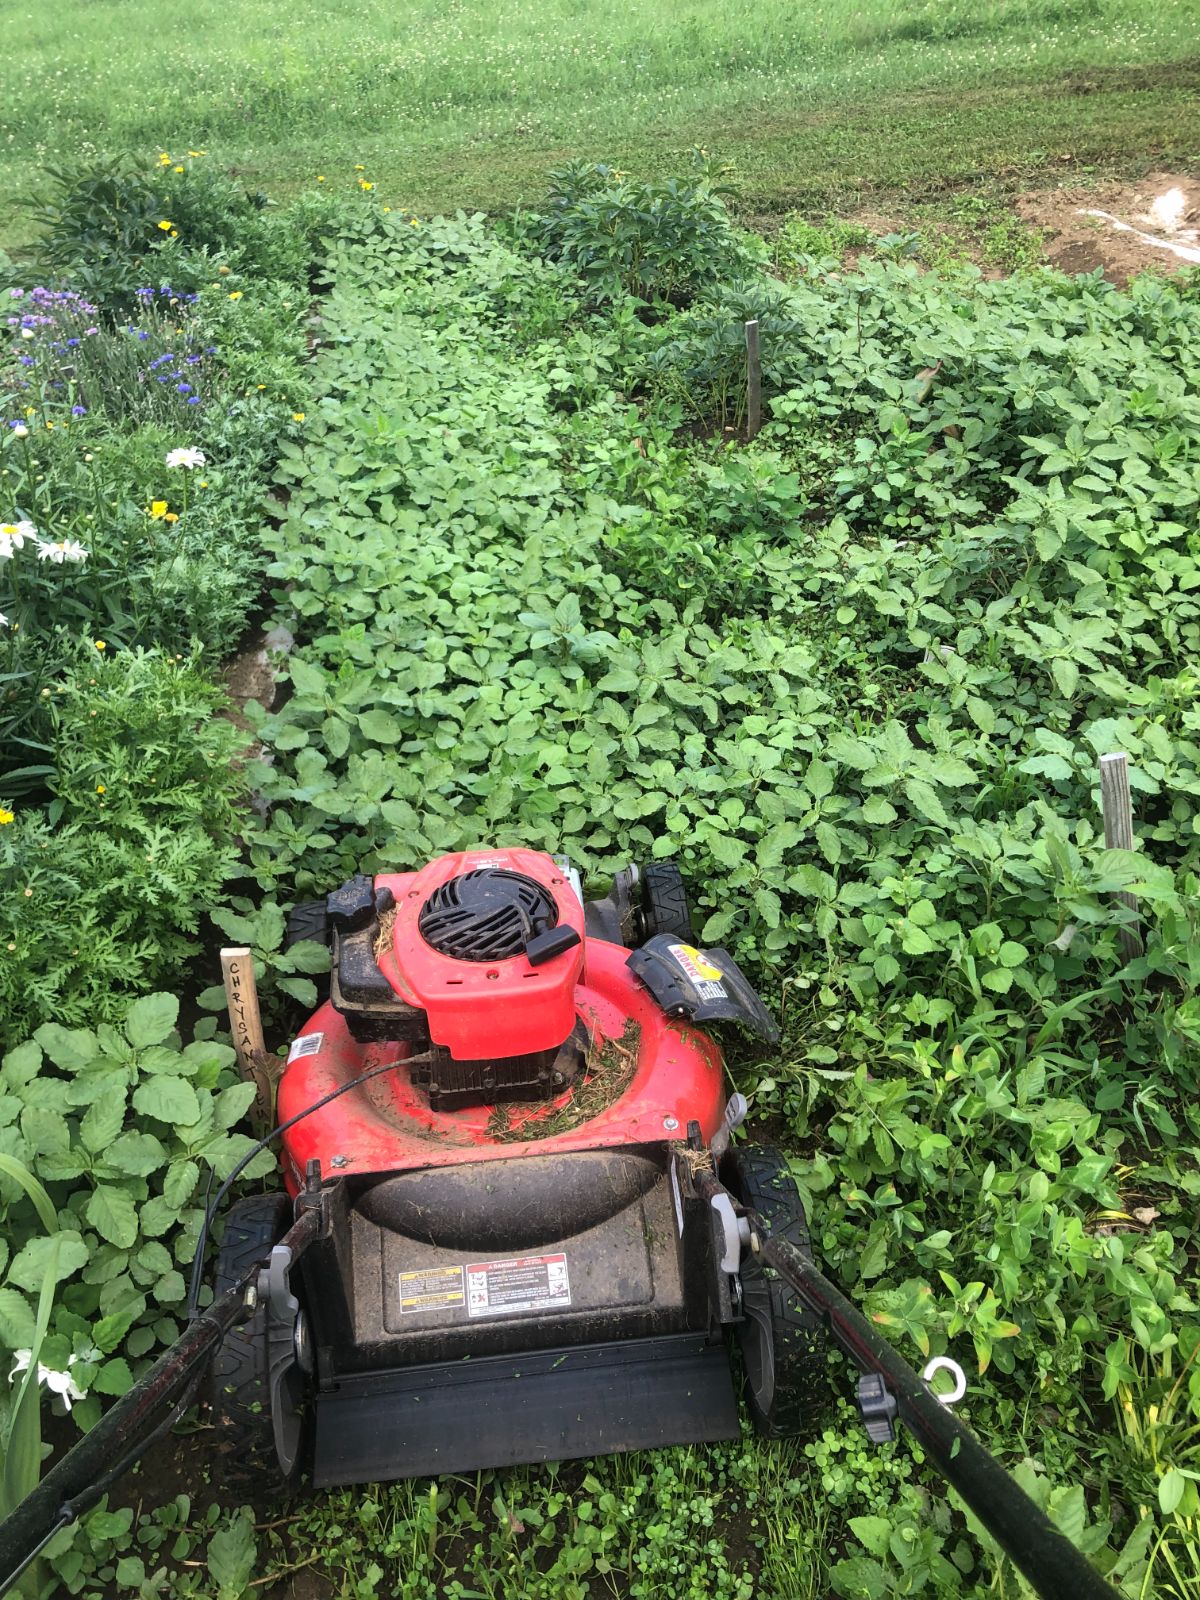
{"x": 1122, "y": 228}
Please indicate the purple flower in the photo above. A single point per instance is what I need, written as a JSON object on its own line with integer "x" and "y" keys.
{"x": 143, "y": 335}
{"x": 144, "y": 294}
{"x": 16, "y": 294}
{"x": 183, "y": 388}
{"x": 88, "y": 332}
{"x": 192, "y": 360}
{"x": 79, "y": 411}
{"x": 27, "y": 361}
{"x": 193, "y": 399}
{"x": 71, "y": 343}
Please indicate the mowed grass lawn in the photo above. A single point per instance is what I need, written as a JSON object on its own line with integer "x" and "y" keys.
{"x": 467, "y": 102}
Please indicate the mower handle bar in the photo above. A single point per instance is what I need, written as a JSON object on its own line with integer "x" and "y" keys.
{"x": 1052, "y": 1564}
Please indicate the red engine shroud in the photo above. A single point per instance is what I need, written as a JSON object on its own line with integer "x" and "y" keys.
{"x": 484, "y": 1009}
{"x": 387, "y": 1125}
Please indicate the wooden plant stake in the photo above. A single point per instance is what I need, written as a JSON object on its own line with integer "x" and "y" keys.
{"x": 1117, "y": 808}
{"x": 753, "y": 381}
{"x": 245, "y": 1024}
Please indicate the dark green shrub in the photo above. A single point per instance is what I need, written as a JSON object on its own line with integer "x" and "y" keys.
{"x": 103, "y": 894}
{"x": 659, "y": 240}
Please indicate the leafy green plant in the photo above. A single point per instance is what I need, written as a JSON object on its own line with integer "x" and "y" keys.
{"x": 658, "y": 240}
{"x": 121, "y": 1122}
{"x": 277, "y": 971}
{"x": 104, "y": 893}
{"x": 20, "y": 1413}
{"x": 114, "y": 226}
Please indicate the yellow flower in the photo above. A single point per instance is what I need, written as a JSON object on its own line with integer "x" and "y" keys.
{"x": 197, "y": 152}
{"x": 223, "y": 271}
{"x": 236, "y": 294}
{"x": 166, "y": 226}
{"x": 204, "y": 483}
{"x": 297, "y": 416}
{"x": 360, "y": 169}
{"x": 178, "y": 169}
{"x": 386, "y": 209}
{"x": 363, "y": 184}
{"x": 158, "y": 508}
{"x": 100, "y": 788}
{"x": 171, "y": 516}
{"x": 413, "y": 222}
{"x": 320, "y": 177}
{"x": 260, "y": 386}
{"x": 100, "y": 644}
{"x": 6, "y": 817}
{"x": 164, "y": 159}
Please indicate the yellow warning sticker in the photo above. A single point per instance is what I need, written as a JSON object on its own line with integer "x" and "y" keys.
{"x": 432, "y": 1289}
{"x": 696, "y": 963}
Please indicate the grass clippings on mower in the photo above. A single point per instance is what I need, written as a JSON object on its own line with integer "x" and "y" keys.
{"x": 607, "y": 1074}
{"x": 383, "y": 939}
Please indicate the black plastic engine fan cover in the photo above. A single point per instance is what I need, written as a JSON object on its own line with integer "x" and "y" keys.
{"x": 486, "y": 915}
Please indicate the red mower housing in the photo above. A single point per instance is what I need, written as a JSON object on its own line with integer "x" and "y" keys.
{"x": 506, "y": 1009}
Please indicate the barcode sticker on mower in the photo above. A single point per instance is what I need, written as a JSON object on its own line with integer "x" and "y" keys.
{"x": 526, "y": 1283}
{"x": 308, "y": 1044}
{"x": 434, "y": 1289}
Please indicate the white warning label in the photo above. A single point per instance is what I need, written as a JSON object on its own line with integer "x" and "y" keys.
{"x": 526, "y": 1283}
{"x": 308, "y": 1044}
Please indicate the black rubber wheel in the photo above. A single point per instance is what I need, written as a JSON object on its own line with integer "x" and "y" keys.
{"x": 665, "y": 906}
{"x": 307, "y": 920}
{"x": 264, "y": 1446}
{"x": 783, "y": 1343}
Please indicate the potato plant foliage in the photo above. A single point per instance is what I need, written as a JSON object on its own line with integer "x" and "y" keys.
{"x": 856, "y": 678}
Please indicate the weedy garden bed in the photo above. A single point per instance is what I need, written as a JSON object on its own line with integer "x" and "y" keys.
{"x": 855, "y": 677}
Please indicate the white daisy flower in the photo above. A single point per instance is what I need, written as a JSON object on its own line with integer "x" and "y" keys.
{"x": 186, "y": 456}
{"x": 60, "y": 550}
{"x": 13, "y": 535}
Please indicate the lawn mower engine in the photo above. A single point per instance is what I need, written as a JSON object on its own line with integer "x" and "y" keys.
{"x": 515, "y": 1262}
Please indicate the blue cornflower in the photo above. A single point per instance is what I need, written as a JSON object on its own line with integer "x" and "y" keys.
{"x": 71, "y": 343}
{"x": 193, "y": 399}
{"x": 79, "y": 411}
{"x": 143, "y": 335}
{"x": 192, "y": 360}
{"x": 27, "y": 361}
{"x": 183, "y": 388}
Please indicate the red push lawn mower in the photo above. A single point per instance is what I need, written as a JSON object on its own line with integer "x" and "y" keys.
{"x": 514, "y": 1226}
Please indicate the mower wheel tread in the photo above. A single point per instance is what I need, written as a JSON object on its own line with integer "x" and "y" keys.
{"x": 308, "y": 919}
{"x": 790, "y": 1396}
{"x": 239, "y": 1390}
{"x": 665, "y": 906}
